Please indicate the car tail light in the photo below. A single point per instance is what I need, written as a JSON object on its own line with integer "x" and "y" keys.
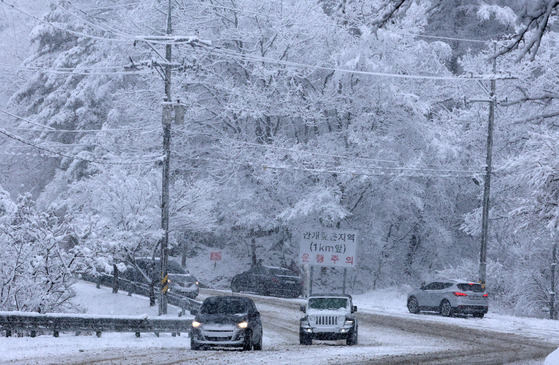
{"x": 485, "y": 295}
{"x": 459, "y": 294}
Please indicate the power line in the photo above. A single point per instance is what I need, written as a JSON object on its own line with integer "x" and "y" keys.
{"x": 362, "y": 172}
{"x": 112, "y": 7}
{"x": 60, "y": 145}
{"x": 62, "y": 131}
{"x": 103, "y": 28}
{"x": 438, "y": 37}
{"x": 147, "y": 39}
{"x": 26, "y": 120}
{"x": 428, "y": 169}
{"x": 54, "y": 130}
{"x": 102, "y": 162}
{"x": 384, "y": 169}
{"x": 313, "y": 153}
{"x": 76, "y": 70}
{"x": 62, "y": 28}
{"x": 254, "y": 58}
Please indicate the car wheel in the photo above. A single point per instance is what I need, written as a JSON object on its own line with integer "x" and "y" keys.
{"x": 247, "y": 345}
{"x": 446, "y": 308}
{"x": 305, "y": 339}
{"x": 193, "y": 345}
{"x": 478, "y": 315}
{"x": 258, "y": 346}
{"x": 352, "y": 339}
{"x": 413, "y": 305}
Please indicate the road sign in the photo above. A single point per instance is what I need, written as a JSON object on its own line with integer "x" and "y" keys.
{"x": 328, "y": 247}
{"x": 215, "y": 256}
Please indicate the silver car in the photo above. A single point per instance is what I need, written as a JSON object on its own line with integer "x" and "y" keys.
{"x": 449, "y": 297}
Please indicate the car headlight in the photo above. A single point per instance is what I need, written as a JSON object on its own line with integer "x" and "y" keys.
{"x": 349, "y": 322}
{"x": 196, "y": 324}
{"x": 243, "y": 324}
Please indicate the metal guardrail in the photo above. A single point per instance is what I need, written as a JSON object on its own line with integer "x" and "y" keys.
{"x": 185, "y": 303}
{"x": 11, "y": 322}
{"x": 56, "y": 323}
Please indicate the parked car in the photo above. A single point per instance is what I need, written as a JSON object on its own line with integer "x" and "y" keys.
{"x": 329, "y": 317}
{"x": 180, "y": 281}
{"x": 268, "y": 280}
{"x": 226, "y": 321}
{"x": 449, "y": 297}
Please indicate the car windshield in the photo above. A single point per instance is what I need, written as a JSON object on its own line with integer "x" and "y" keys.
{"x": 327, "y": 303}
{"x": 471, "y": 287}
{"x": 223, "y": 306}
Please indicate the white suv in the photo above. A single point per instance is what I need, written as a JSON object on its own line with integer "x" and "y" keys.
{"x": 449, "y": 297}
{"x": 328, "y": 317}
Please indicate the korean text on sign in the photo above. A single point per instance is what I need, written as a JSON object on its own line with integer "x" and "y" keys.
{"x": 334, "y": 248}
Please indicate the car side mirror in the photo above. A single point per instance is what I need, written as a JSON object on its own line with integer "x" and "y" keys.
{"x": 303, "y": 309}
{"x": 354, "y": 309}
{"x": 255, "y": 314}
{"x": 194, "y": 312}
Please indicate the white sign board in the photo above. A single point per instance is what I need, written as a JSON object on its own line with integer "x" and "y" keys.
{"x": 328, "y": 247}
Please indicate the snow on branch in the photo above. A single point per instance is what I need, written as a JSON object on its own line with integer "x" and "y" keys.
{"x": 536, "y": 16}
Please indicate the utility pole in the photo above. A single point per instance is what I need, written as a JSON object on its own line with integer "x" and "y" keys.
{"x": 552, "y": 291}
{"x": 171, "y": 111}
{"x": 167, "y": 115}
{"x": 487, "y": 184}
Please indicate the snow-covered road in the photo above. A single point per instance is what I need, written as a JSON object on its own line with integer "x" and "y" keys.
{"x": 388, "y": 335}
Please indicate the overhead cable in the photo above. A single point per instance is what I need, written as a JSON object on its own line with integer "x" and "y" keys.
{"x": 253, "y": 58}
{"x": 110, "y": 130}
{"x": 354, "y": 172}
{"x": 102, "y": 162}
{"x": 78, "y": 70}
{"x": 26, "y": 120}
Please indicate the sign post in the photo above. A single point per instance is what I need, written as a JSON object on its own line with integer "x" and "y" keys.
{"x": 328, "y": 248}
{"x": 215, "y": 257}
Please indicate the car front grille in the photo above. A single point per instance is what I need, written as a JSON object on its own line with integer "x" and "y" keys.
{"x": 218, "y": 339}
{"x": 327, "y": 320}
{"x": 218, "y": 335}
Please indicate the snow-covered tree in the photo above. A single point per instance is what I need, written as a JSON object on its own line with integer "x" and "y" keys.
{"x": 36, "y": 271}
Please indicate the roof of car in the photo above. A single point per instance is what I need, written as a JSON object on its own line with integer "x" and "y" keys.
{"x": 456, "y": 281}
{"x": 228, "y": 298}
{"x": 330, "y": 295}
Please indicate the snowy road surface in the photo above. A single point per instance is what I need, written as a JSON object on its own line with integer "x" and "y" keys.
{"x": 390, "y": 337}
